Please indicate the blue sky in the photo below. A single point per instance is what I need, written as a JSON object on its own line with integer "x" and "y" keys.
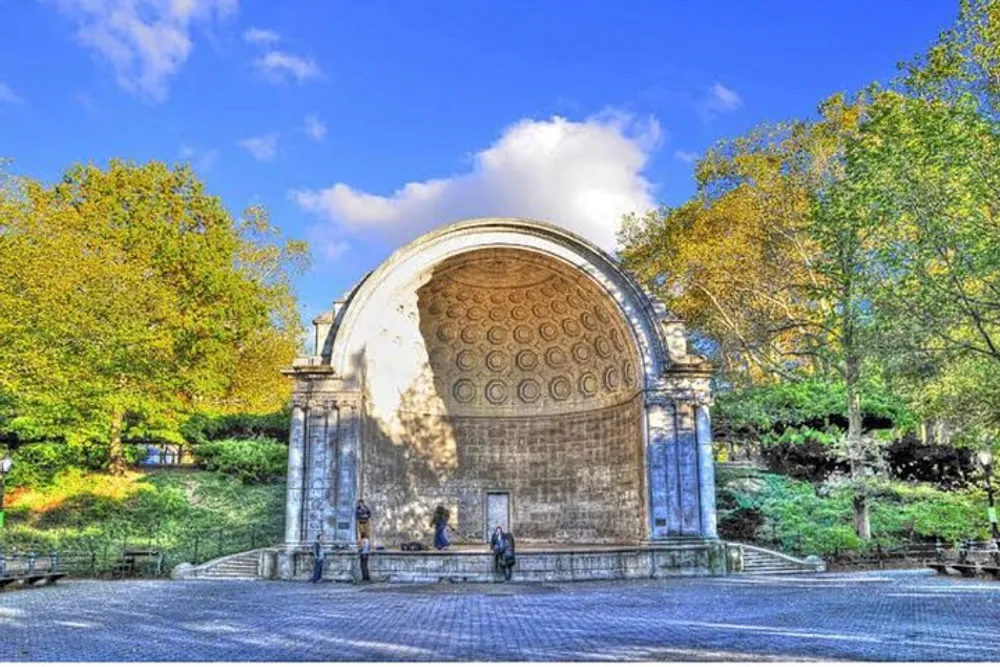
{"x": 360, "y": 125}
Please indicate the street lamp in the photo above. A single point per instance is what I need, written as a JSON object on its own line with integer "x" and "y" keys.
{"x": 5, "y": 465}
{"x": 986, "y": 459}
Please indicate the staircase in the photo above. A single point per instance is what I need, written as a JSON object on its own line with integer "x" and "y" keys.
{"x": 244, "y": 565}
{"x": 758, "y": 561}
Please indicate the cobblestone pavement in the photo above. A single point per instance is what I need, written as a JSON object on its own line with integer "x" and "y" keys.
{"x": 856, "y": 616}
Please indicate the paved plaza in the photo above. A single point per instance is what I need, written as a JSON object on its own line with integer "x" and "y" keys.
{"x": 858, "y": 616}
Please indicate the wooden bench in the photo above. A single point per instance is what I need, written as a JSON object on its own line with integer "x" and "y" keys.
{"x": 965, "y": 569}
{"x": 940, "y": 568}
{"x": 33, "y": 570}
{"x": 127, "y": 564}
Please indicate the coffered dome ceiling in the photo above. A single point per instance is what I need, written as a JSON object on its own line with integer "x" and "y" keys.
{"x": 516, "y": 332}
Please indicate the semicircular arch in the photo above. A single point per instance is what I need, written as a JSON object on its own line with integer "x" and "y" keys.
{"x": 365, "y": 314}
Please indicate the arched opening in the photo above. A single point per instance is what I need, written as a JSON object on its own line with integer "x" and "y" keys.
{"x": 504, "y": 383}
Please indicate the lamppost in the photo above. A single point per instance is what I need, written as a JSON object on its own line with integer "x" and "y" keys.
{"x": 986, "y": 459}
{"x": 5, "y": 465}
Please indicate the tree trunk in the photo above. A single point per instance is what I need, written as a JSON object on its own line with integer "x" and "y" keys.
{"x": 862, "y": 525}
{"x": 116, "y": 455}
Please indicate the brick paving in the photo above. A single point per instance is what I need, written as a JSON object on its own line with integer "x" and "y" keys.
{"x": 880, "y": 616}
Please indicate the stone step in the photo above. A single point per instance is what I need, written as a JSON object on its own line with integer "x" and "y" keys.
{"x": 236, "y": 564}
{"x": 232, "y": 568}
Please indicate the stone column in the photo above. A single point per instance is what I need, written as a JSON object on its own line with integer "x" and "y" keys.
{"x": 706, "y": 462}
{"x": 293, "y": 490}
{"x": 317, "y": 477}
{"x": 664, "y": 505}
{"x": 687, "y": 469}
{"x": 332, "y": 473}
{"x": 348, "y": 448}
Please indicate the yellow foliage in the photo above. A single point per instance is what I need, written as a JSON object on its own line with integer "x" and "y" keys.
{"x": 74, "y": 482}
{"x": 736, "y": 262}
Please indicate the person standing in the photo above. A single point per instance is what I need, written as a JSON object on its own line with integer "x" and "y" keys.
{"x": 319, "y": 558}
{"x": 508, "y": 559}
{"x": 440, "y": 523}
{"x": 497, "y": 545}
{"x": 362, "y": 515}
{"x": 364, "y": 550}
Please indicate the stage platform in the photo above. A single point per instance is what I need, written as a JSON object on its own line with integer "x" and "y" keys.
{"x": 535, "y": 562}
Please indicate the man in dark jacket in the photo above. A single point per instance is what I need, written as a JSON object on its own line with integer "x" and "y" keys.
{"x": 362, "y": 515}
{"x": 507, "y": 558}
{"x": 497, "y": 545}
{"x": 319, "y": 558}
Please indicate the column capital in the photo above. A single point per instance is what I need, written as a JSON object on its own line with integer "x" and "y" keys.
{"x": 662, "y": 399}
{"x": 324, "y": 400}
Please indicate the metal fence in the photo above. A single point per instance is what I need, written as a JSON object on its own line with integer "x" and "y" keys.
{"x": 144, "y": 555}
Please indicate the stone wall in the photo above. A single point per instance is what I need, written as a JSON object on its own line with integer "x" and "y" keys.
{"x": 650, "y": 562}
{"x": 572, "y": 478}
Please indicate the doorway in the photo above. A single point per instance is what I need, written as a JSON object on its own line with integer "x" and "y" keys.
{"x": 497, "y": 511}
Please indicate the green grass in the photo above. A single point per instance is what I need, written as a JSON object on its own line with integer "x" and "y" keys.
{"x": 799, "y": 517}
{"x": 189, "y": 515}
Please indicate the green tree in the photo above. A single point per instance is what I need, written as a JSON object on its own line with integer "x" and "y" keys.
{"x": 131, "y": 299}
{"x": 924, "y": 175}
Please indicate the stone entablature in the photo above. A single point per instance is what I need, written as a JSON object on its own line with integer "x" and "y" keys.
{"x": 416, "y": 370}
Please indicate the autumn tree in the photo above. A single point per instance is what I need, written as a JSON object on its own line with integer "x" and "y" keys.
{"x": 737, "y": 262}
{"x": 765, "y": 263}
{"x": 130, "y": 298}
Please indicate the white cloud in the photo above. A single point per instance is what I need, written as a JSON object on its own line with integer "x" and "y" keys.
{"x": 332, "y": 250}
{"x": 261, "y": 148}
{"x": 314, "y": 127}
{"x": 685, "y": 156}
{"x": 8, "y": 96}
{"x": 720, "y": 100}
{"x": 201, "y": 161}
{"x": 145, "y": 41}
{"x": 278, "y": 65}
{"x": 582, "y": 175}
{"x": 260, "y": 36}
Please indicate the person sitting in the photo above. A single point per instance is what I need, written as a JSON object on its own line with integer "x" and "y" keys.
{"x": 362, "y": 515}
{"x": 440, "y": 522}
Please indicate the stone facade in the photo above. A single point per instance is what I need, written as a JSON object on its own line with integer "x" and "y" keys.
{"x": 500, "y": 356}
{"x": 572, "y": 478}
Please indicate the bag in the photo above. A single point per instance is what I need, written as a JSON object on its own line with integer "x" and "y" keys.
{"x": 508, "y": 556}
{"x": 411, "y": 546}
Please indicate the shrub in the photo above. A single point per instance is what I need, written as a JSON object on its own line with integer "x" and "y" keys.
{"x": 792, "y": 516}
{"x": 258, "y": 460}
{"x": 37, "y": 464}
{"x": 203, "y": 428}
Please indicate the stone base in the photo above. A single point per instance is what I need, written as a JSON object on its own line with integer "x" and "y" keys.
{"x": 540, "y": 564}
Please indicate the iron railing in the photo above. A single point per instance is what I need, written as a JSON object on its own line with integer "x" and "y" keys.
{"x": 132, "y": 555}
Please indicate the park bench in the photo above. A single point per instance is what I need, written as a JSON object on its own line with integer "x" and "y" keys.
{"x": 940, "y": 568}
{"x": 130, "y": 559}
{"x": 28, "y": 569}
{"x": 969, "y": 560}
